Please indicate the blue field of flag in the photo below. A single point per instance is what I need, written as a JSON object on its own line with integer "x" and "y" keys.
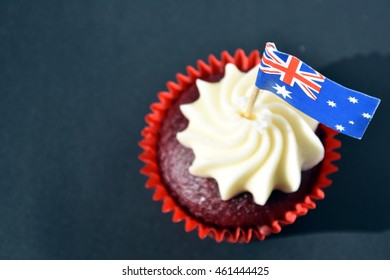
{"x": 345, "y": 110}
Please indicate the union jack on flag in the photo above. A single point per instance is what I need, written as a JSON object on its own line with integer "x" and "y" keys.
{"x": 291, "y": 70}
{"x": 345, "y": 110}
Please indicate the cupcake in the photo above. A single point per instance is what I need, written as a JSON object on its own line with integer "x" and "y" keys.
{"x": 230, "y": 175}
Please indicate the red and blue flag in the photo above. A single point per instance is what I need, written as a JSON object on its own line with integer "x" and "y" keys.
{"x": 345, "y": 110}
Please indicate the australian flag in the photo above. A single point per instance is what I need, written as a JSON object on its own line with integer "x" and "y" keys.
{"x": 345, "y": 110}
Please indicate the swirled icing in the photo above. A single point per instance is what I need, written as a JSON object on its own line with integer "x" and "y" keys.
{"x": 260, "y": 154}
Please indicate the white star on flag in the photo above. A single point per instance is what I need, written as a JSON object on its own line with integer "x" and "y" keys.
{"x": 353, "y": 100}
{"x": 282, "y": 91}
{"x": 339, "y": 127}
{"x": 331, "y": 103}
{"x": 351, "y": 122}
{"x": 366, "y": 115}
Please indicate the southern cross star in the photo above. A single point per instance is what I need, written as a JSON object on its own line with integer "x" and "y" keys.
{"x": 366, "y": 115}
{"x": 339, "y": 127}
{"x": 353, "y": 100}
{"x": 282, "y": 91}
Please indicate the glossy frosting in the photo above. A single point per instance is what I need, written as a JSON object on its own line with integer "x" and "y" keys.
{"x": 257, "y": 155}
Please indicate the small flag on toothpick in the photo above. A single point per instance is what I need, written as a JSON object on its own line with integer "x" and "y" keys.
{"x": 345, "y": 110}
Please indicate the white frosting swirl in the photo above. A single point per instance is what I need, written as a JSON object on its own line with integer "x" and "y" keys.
{"x": 256, "y": 155}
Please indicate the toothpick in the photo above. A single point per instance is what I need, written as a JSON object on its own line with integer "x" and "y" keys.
{"x": 251, "y": 102}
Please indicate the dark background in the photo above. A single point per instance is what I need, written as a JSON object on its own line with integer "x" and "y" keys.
{"x": 77, "y": 79}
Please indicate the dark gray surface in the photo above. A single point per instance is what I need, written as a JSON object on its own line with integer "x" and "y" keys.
{"x": 77, "y": 78}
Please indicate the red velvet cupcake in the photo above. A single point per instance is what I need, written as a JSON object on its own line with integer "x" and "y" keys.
{"x": 216, "y": 186}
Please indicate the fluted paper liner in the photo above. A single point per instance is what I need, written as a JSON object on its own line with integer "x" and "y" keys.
{"x": 151, "y": 169}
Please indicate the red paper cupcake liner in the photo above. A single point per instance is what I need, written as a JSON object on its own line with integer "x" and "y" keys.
{"x": 151, "y": 169}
